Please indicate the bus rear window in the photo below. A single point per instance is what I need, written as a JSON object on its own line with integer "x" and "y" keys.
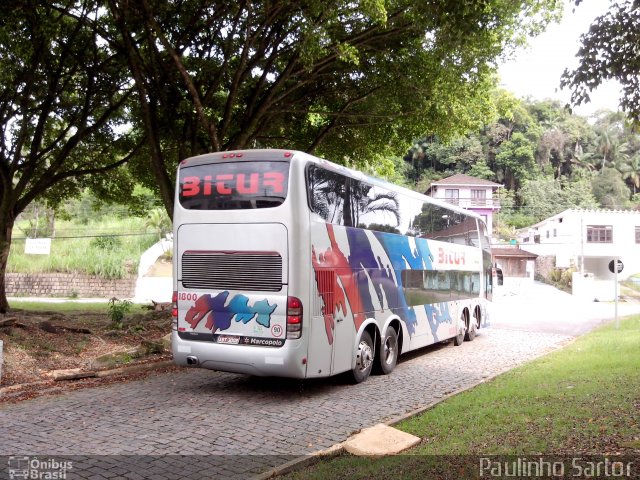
{"x": 233, "y": 185}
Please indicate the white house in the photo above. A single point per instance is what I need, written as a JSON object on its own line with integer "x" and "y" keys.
{"x": 589, "y": 241}
{"x": 475, "y": 194}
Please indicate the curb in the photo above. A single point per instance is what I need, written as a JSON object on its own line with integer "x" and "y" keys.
{"x": 92, "y": 374}
{"x": 338, "y": 448}
{"x": 134, "y": 368}
{"x": 300, "y": 462}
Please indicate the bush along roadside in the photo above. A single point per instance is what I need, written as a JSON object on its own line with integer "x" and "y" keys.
{"x": 53, "y": 342}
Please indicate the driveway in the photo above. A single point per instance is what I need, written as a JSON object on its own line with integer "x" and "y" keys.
{"x": 538, "y": 307}
{"x": 205, "y": 424}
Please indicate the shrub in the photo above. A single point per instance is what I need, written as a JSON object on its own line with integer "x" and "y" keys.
{"x": 555, "y": 275}
{"x": 117, "y": 311}
{"x": 107, "y": 247}
{"x": 109, "y": 242}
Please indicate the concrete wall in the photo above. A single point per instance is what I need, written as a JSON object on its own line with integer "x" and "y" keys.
{"x": 544, "y": 265}
{"x": 67, "y": 285}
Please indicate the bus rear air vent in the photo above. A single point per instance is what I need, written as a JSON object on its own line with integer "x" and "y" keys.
{"x": 232, "y": 271}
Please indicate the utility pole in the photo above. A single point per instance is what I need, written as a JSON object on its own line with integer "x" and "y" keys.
{"x": 582, "y": 246}
{"x": 616, "y": 291}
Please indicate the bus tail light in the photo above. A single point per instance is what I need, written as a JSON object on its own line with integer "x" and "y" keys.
{"x": 294, "y": 317}
{"x": 174, "y": 310}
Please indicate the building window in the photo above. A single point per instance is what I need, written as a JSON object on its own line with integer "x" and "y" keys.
{"x": 452, "y": 195}
{"x": 637, "y": 234}
{"x": 478, "y": 197}
{"x": 555, "y": 232}
{"x": 599, "y": 234}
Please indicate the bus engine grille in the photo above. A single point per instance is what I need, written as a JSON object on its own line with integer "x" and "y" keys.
{"x": 232, "y": 271}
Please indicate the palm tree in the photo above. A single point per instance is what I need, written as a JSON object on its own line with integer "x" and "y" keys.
{"x": 629, "y": 165}
{"x": 605, "y": 144}
{"x": 328, "y": 193}
{"x": 585, "y": 159}
{"x": 384, "y": 202}
{"x": 159, "y": 221}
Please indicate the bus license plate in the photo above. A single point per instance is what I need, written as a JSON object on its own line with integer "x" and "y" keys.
{"x": 231, "y": 339}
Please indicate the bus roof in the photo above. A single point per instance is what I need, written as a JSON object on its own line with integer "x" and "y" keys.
{"x": 296, "y": 156}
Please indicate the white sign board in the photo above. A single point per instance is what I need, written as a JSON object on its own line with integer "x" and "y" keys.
{"x": 37, "y": 246}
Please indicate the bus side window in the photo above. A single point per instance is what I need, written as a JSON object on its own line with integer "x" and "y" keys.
{"x": 327, "y": 191}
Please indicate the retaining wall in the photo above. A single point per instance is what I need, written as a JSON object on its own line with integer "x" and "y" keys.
{"x": 544, "y": 265}
{"x": 68, "y": 285}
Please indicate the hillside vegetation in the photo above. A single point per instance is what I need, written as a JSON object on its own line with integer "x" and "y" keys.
{"x": 106, "y": 241}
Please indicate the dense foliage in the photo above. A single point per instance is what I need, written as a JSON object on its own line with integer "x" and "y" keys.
{"x": 87, "y": 84}
{"x": 546, "y": 158}
{"x": 610, "y": 50}
{"x": 346, "y": 80}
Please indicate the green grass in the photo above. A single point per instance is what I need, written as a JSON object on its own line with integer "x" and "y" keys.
{"x": 70, "y": 307}
{"x": 583, "y": 399}
{"x": 629, "y": 283}
{"x": 98, "y": 253}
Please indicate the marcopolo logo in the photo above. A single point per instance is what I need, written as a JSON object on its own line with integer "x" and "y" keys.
{"x": 22, "y": 467}
{"x": 263, "y": 342}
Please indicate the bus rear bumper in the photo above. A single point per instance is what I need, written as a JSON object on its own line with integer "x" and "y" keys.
{"x": 286, "y": 361}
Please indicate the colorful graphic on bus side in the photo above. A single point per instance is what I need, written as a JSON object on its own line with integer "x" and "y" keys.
{"x": 362, "y": 272}
{"x": 219, "y": 313}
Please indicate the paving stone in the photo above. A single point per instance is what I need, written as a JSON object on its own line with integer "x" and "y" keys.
{"x": 199, "y": 413}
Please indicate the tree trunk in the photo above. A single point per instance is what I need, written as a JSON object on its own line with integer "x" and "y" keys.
{"x": 6, "y": 228}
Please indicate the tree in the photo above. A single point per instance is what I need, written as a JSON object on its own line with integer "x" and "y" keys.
{"x": 610, "y": 190}
{"x": 546, "y": 196}
{"x": 512, "y": 117}
{"x": 457, "y": 155}
{"x": 343, "y": 79}
{"x": 158, "y": 221}
{"x": 609, "y": 50}
{"x": 629, "y": 165}
{"x": 62, "y": 92}
{"x": 551, "y": 150}
{"x": 481, "y": 170}
{"x": 516, "y": 160}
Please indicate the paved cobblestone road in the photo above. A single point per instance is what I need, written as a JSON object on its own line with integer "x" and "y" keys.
{"x": 205, "y": 424}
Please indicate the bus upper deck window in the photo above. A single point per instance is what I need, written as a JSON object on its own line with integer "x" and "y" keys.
{"x": 234, "y": 185}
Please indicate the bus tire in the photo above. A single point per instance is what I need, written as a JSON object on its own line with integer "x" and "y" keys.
{"x": 471, "y": 330}
{"x": 364, "y": 358}
{"x": 459, "y": 339}
{"x": 388, "y": 356}
{"x": 470, "y": 334}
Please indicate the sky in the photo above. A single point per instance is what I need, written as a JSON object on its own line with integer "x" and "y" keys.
{"x": 535, "y": 71}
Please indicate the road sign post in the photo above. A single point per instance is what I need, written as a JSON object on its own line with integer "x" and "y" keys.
{"x": 615, "y": 267}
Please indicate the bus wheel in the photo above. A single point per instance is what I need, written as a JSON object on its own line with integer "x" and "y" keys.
{"x": 364, "y": 358}
{"x": 470, "y": 334}
{"x": 458, "y": 339}
{"x": 388, "y": 352}
{"x": 470, "y": 330}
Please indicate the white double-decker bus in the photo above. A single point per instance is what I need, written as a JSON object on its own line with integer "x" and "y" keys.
{"x": 289, "y": 265}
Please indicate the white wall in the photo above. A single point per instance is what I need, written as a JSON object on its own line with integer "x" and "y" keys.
{"x": 570, "y": 240}
{"x": 157, "y": 289}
